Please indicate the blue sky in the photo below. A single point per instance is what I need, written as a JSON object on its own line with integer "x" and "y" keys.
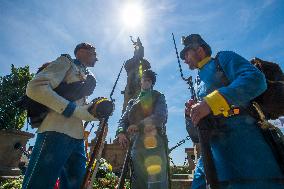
{"x": 34, "y": 32}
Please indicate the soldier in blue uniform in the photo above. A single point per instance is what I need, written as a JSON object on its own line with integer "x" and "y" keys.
{"x": 241, "y": 155}
{"x": 146, "y": 116}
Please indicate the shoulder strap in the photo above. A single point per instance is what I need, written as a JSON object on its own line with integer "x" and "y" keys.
{"x": 218, "y": 66}
{"x": 67, "y": 56}
{"x": 221, "y": 71}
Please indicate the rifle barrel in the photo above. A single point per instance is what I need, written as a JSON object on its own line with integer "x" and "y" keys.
{"x": 125, "y": 165}
{"x": 115, "y": 83}
{"x": 180, "y": 69}
{"x": 204, "y": 134}
{"x": 124, "y": 169}
{"x": 95, "y": 155}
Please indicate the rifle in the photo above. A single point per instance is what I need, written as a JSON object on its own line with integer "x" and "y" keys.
{"x": 165, "y": 138}
{"x": 90, "y": 174}
{"x": 204, "y": 133}
{"x": 95, "y": 156}
{"x": 125, "y": 167}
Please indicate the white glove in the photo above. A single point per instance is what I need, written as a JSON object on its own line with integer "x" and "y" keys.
{"x": 82, "y": 113}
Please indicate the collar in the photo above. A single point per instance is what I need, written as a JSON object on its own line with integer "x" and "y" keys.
{"x": 203, "y": 62}
{"x": 77, "y": 62}
{"x": 144, "y": 93}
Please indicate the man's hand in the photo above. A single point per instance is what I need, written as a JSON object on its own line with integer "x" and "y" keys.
{"x": 132, "y": 129}
{"x": 199, "y": 111}
{"x": 122, "y": 140}
{"x": 188, "y": 106}
{"x": 150, "y": 129}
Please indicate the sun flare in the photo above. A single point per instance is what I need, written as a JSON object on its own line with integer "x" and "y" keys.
{"x": 132, "y": 15}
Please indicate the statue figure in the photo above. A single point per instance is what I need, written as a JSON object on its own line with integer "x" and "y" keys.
{"x": 134, "y": 68}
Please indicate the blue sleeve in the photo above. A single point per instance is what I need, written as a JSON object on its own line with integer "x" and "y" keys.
{"x": 246, "y": 81}
{"x": 160, "y": 112}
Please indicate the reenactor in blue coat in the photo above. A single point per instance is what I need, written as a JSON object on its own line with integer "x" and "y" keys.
{"x": 145, "y": 118}
{"x": 225, "y": 87}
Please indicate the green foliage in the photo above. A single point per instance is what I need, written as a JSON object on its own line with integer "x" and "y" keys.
{"x": 180, "y": 170}
{"x": 106, "y": 179}
{"x": 12, "y": 183}
{"x": 109, "y": 181}
{"x": 12, "y": 88}
{"x": 104, "y": 168}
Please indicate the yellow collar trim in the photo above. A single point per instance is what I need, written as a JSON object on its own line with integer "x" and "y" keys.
{"x": 203, "y": 62}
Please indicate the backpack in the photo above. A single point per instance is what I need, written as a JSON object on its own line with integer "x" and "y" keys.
{"x": 36, "y": 112}
{"x": 271, "y": 101}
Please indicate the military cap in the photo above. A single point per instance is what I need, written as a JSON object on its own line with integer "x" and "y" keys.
{"x": 149, "y": 74}
{"x": 192, "y": 41}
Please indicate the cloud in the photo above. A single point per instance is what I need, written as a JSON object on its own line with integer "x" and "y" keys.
{"x": 249, "y": 14}
{"x": 273, "y": 39}
{"x": 175, "y": 109}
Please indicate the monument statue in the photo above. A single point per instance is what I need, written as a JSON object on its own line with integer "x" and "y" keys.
{"x": 134, "y": 68}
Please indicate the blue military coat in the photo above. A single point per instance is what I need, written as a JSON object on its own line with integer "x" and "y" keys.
{"x": 241, "y": 155}
{"x": 148, "y": 153}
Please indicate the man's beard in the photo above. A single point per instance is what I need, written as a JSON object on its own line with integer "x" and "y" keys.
{"x": 192, "y": 67}
{"x": 194, "y": 64}
{"x": 92, "y": 64}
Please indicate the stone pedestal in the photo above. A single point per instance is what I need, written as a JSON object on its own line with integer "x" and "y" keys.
{"x": 193, "y": 155}
{"x": 181, "y": 181}
{"x": 115, "y": 155}
{"x": 10, "y": 154}
{"x": 190, "y": 158}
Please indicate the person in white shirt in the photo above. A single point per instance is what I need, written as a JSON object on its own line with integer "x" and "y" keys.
{"x": 59, "y": 148}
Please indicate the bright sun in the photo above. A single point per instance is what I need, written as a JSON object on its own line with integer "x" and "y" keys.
{"x": 132, "y": 16}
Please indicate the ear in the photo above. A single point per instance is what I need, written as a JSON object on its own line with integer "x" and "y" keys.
{"x": 201, "y": 52}
{"x": 79, "y": 54}
{"x": 152, "y": 85}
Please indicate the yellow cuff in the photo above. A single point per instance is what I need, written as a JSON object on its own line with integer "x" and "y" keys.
{"x": 217, "y": 103}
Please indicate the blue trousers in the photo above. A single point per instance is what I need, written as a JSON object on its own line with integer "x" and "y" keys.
{"x": 56, "y": 155}
{"x": 143, "y": 158}
{"x": 242, "y": 157}
{"x": 200, "y": 183}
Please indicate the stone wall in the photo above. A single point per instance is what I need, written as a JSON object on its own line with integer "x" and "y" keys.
{"x": 115, "y": 155}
